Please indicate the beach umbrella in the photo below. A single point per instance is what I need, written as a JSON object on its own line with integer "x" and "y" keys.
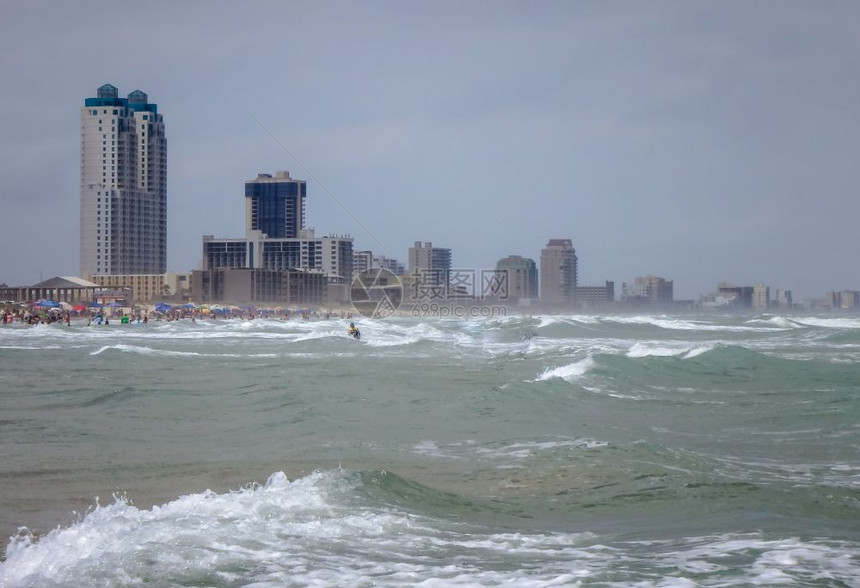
{"x": 114, "y": 305}
{"x": 79, "y": 307}
{"x": 162, "y": 307}
{"x": 47, "y": 304}
{"x": 188, "y": 305}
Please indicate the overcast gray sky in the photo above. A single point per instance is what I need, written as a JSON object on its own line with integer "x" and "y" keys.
{"x": 698, "y": 141}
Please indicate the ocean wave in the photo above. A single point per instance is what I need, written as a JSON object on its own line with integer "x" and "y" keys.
{"x": 330, "y": 527}
{"x": 516, "y": 451}
{"x": 342, "y": 528}
{"x": 828, "y": 323}
{"x": 775, "y": 321}
{"x": 670, "y": 323}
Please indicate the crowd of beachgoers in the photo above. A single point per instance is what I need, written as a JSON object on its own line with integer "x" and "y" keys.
{"x": 38, "y": 314}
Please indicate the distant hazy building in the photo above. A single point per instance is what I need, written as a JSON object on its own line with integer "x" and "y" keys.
{"x": 365, "y": 260}
{"x": 596, "y": 295}
{"x": 738, "y": 296}
{"x": 783, "y": 299}
{"x": 558, "y": 272}
{"x": 275, "y": 205}
{"x": 648, "y": 290}
{"x": 760, "y": 297}
{"x": 387, "y": 263}
{"x": 123, "y": 205}
{"x": 850, "y": 300}
{"x": 522, "y": 277}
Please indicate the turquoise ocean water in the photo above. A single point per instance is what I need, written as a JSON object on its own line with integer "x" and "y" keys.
{"x": 643, "y": 450}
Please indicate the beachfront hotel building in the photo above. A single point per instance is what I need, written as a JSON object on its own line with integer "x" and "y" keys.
{"x": 146, "y": 288}
{"x": 558, "y": 272}
{"x": 330, "y": 254}
{"x": 432, "y": 261}
{"x": 123, "y": 204}
{"x": 276, "y": 240}
{"x": 361, "y": 262}
{"x": 429, "y": 273}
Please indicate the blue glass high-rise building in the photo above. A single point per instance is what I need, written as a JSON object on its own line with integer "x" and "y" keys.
{"x": 275, "y": 205}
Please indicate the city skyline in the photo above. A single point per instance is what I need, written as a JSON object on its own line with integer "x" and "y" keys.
{"x": 702, "y": 143}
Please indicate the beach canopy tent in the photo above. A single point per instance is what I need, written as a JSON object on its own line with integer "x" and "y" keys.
{"x": 115, "y": 305}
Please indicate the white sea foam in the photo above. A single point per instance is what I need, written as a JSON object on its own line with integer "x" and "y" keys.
{"x": 431, "y": 449}
{"x": 142, "y": 350}
{"x": 775, "y": 321}
{"x": 525, "y": 450}
{"x": 580, "y": 319}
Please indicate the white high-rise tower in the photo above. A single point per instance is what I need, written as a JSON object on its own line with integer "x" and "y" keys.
{"x": 123, "y": 185}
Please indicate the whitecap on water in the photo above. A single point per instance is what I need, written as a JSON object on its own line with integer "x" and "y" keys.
{"x": 569, "y": 372}
{"x": 658, "y": 349}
